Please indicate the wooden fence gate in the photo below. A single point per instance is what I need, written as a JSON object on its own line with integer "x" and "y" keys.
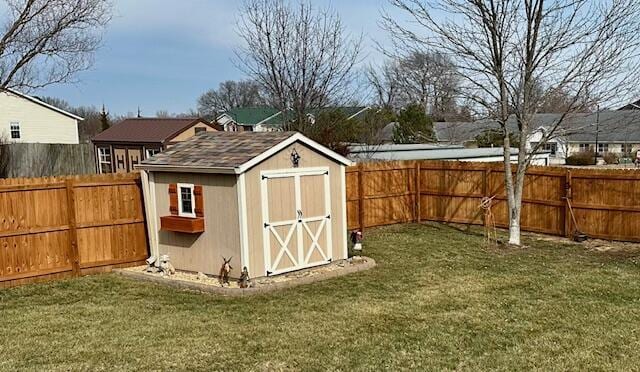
{"x": 69, "y": 226}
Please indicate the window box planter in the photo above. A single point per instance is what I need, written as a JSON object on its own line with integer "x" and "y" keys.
{"x": 182, "y": 224}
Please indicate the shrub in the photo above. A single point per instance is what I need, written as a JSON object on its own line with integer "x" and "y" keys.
{"x": 610, "y": 158}
{"x": 582, "y": 158}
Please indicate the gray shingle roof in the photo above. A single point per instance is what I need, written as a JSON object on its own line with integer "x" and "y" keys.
{"x": 218, "y": 149}
{"x": 614, "y": 126}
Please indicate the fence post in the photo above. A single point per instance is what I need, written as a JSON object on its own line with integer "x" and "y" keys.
{"x": 73, "y": 234}
{"x": 418, "y": 192}
{"x": 567, "y": 200}
{"x": 361, "y": 196}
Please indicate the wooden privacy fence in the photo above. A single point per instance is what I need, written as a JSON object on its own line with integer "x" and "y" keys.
{"x": 47, "y": 159}
{"x": 68, "y": 226}
{"x": 606, "y": 203}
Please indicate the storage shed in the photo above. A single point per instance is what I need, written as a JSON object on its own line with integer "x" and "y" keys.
{"x": 274, "y": 201}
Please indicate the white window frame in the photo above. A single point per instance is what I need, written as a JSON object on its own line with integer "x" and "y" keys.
{"x": 604, "y": 146}
{"x": 181, "y": 213}
{"x": 102, "y": 153}
{"x": 11, "y": 129}
{"x": 198, "y": 130}
{"x": 155, "y": 151}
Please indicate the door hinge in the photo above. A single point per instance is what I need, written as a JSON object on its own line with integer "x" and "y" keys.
{"x": 266, "y": 225}
{"x": 264, "y": 177}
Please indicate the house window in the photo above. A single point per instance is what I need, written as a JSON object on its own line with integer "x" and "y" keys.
{"x": 104, "y": 159}
{"x": 584, "y": 147}
{"x": 552, "y": 147}
{"x": 627, "y": 148}
{"x": 200, "y": 130}
{"x": 15, "y": 130}
{"x": 151, "y": 152}
{"x": 186, "y": 205}
{"x": 603, "y": 148}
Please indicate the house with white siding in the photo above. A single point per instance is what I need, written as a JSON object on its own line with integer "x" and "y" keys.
{"x": 616, "y": 132}
{"x": 26, "y": 119}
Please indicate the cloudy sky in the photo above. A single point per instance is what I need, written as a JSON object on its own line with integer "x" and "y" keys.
{"x": 162, "y": 54}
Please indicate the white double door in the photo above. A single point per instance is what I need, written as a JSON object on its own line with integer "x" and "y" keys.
{"x": 296, "y": 209}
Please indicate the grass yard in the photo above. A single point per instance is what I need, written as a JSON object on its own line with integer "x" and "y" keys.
{"x": 437, "y": 300}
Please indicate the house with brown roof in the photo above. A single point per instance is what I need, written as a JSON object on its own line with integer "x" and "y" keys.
{"x": 122, "y": 146}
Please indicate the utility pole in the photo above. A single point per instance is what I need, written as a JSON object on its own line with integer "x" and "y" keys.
{"x": 595, "y": 157}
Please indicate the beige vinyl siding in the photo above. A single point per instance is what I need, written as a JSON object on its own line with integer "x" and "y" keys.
{"x": 221, "y": 238}
{"x": 38, "y": 124}
{"x": 281, "y": 160}
{"x": 190, "y": 132}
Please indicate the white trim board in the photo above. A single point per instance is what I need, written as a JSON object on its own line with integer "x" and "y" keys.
{"x": 242, "y": 217}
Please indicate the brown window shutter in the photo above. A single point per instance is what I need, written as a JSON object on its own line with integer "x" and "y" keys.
{"x": 173, "y": 199}
{"x": 197, "y": 193}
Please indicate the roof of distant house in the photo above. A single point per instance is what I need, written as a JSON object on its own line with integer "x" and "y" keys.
{"x": 229, "y": 152}
{"x": 611, "y": 126}
{"x": 253, "y": 115}
{"x": 148, "y": 130}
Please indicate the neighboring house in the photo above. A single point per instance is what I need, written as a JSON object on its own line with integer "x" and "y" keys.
{"x": 272, "y": 202}
{"x": 364, "y": 153}
{"x": 26, "y": 119}
{"x": 130, "y": 141}
{"x": 254, "y": 119}
{"x": 267, "y": 119}
{"x": 614, "y": 131}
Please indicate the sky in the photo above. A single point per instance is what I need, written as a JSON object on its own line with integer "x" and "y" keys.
{"x": 163, "y": 54}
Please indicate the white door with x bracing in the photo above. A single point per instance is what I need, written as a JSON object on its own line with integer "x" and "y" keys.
{"x": 296, "y": 212}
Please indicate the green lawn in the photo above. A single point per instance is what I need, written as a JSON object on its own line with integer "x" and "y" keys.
{"x": 437, "y": 300}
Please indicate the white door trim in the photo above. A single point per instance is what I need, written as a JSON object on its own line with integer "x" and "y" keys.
{"x": 242, "y": 217}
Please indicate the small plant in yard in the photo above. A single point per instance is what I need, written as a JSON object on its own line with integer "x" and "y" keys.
{"x": 611, "y": 158}
{"x": 582, "y": 158}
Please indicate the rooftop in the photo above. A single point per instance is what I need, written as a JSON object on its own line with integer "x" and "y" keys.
{"x": 218, "y": 149}
{"x": 611, "y": 126}
{"x": 146, "y": 130}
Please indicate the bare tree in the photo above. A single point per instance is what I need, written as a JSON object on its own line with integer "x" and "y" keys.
{"x": 44, "y": 42}
{"x": 231, "y": 94}
{"x": 385, "y": 82}
{"x": 302, "y": 56}
{"x": 502, "y": 49}
{"x": 416, "y": 77}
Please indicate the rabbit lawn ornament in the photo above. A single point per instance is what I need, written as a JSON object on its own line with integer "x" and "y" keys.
{"x": 224, "y": 271}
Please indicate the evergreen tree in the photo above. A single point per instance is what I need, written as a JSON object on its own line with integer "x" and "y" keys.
{"x": 414, "y": 126}
{"x": 104, "y": 119}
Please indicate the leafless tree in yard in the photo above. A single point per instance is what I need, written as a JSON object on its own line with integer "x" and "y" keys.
{"x": 44, "y": 42}
{"x": 231, "y": 94}
{"x": 416, "y": 77}
{"x": 302, "y": 56}
{"x": 504, "y": 49}
{"x": 385, "y": 82}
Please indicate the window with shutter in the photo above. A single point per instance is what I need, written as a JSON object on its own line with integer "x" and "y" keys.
{"x": 186, "y": 206}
